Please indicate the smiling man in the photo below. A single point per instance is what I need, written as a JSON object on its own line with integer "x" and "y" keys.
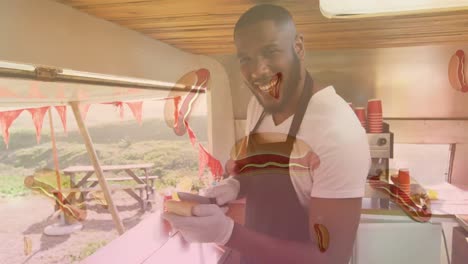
{"x": 292, "y": 215}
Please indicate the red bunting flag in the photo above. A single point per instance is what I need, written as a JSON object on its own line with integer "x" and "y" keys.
{"x": 62, "y": 112}
{"x": 137, "y": 109}
{"x": 6, "y": 119}
{"x": 206, "y": 159}
{"x": 119, "y": 105}
{"x": 38, "y": 118}
{"x": 181, "y": 116}
{"x": 191, "y": 134}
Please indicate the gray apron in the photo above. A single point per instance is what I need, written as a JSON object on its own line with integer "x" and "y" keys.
{"x": 272, "y": 206}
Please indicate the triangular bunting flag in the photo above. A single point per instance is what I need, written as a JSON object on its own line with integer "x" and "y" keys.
{"x": 215, "y": 165}
{"x": 137, "y": 109}
{"x": 6, "y": 119}
{"x": 192, "y": 136}
{"x": 38, "y": 118}
{"x": 118, "y": 105}
{"x": 62, "y": 112}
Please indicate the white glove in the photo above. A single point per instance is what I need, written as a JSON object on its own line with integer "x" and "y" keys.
{"x": 226, "y": 191}
{"x": 209, "y": 225}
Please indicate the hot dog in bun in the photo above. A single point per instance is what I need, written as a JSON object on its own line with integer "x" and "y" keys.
{"x": 182, "y": 208}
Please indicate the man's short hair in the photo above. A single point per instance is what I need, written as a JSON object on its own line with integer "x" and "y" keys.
{"x": 263, "y": 12}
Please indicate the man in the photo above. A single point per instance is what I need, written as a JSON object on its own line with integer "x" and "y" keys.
{"x": 288, "y": 214}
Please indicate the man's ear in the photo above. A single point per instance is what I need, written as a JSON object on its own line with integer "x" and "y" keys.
{"x": 299, "y": 46}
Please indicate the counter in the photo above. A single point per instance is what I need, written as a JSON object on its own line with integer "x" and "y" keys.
{"x": 384, "y": 230}
{"x": 152, "y": 241}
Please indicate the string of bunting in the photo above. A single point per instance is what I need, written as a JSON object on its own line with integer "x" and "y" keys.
{"x": 8, "y": 117}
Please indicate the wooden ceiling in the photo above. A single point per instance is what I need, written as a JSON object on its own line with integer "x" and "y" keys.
{"x": 205, "y": 26}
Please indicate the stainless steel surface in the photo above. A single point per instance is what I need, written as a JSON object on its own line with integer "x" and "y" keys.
{"x": 381, "y": 150}
{"x": 381, "y": 145}
{"x": 411, "y": 81}
{"x": 379, "y": 166}
{"x": 463, "y": 221}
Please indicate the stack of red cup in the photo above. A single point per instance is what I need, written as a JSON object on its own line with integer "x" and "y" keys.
{"x": 404, "y": 183}
{"x": 361, "y": 114}
{"x": 374, "y": 116}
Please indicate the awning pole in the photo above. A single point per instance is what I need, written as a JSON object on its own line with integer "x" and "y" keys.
{"x": 97, "y": 167}
{"x": 56, "y": 75}
{"x": 55, "y": 156}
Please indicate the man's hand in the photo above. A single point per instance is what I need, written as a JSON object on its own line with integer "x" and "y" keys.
{"x": 226, "y": 191}
{"x": 209, "y": 224}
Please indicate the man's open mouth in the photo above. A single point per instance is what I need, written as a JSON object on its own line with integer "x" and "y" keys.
{"x": 272, "y": 87}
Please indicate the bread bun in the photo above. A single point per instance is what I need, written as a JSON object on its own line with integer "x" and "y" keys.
{"x": 182, "y": 208}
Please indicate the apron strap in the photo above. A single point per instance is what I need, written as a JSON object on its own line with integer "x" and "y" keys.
{"x": 303, "y": 103}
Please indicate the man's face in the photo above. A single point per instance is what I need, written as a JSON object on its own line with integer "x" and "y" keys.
{"x": 269, "y": 63}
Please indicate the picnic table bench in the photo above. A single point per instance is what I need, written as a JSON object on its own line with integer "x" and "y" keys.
{"x": 144, "y": 184}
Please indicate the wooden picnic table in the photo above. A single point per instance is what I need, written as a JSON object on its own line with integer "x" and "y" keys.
{"x": 88, "y": 184}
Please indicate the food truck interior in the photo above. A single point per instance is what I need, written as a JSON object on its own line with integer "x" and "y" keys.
{"x": 411, "y": 60}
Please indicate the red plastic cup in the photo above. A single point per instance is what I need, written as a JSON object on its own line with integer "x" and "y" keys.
{"x": 404, "y": 176}
{"x": 374, "y": 116}
{"x": 361, "y": 114}
{"x": 374, "y": 106}
{"x": 375, "y": 129}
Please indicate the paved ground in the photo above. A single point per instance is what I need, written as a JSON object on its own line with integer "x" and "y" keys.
{"x": 28, "y": 216}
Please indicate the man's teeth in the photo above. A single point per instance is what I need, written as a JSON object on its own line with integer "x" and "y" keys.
{"x": 268, "y": 87}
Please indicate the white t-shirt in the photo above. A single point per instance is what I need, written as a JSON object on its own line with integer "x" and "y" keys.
{"x": 334, "y": 133}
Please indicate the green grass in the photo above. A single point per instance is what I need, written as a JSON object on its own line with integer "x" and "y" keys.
{"x": 13, "y": 186}
{"x": 49, "y": 177}
{"x": 12, "y": 181}
{"x": 172, "y": 160}
{"x": 173, "y": 157}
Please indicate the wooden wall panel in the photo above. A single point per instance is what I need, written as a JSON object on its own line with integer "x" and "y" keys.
{"x": 205, "y": 26}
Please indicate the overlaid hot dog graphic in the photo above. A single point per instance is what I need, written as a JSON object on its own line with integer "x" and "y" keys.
{"x": 322, "y": 236}
{"x": 416, "y": 210}
{"x": 259, "y": 158}
{"x": 456, "y": 71}
{"x": 178, "y": 110}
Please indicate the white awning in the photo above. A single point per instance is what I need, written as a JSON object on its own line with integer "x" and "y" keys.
{"x": 24, "y": 85}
